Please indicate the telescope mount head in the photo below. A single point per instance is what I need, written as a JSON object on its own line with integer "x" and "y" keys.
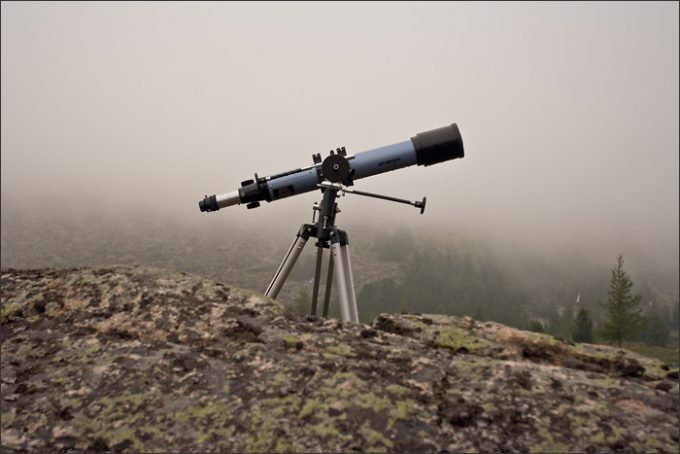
{"x": 336, "y": 168}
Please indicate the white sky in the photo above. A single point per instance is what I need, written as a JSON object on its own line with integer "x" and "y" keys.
{"x": 568, "y": 111}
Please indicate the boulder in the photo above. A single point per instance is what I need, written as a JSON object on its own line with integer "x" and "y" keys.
{"x": 126, "y": 358}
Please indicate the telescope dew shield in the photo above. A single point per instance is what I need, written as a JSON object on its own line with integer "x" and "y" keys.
{"x": 438, "y": 145}
{"x": 426, "y": 148}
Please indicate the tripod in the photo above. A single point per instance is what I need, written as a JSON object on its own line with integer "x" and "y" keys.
{"x": 328, "y": 237}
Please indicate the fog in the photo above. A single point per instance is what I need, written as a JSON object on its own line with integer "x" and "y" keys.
{"x": 568, "y": 113}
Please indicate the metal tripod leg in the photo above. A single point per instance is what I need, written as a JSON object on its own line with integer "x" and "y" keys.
{"x": 288, "y": 261}
{"x": 349, "y": 277}
{"x": 317, "y": 276}
{"x": 329, "y": 283}
{"x": 343, "y": 276}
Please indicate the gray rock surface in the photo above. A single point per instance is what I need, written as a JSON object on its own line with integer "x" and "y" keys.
{"x": 125, "y": 358}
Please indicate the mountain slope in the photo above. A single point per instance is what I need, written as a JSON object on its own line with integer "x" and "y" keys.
{"x": 130, "y": 358}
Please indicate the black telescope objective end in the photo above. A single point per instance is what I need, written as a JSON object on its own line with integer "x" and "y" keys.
{"x": 438, "y": 145}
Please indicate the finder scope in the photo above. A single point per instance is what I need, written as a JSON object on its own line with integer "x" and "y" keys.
{"x": 424, "y": 149}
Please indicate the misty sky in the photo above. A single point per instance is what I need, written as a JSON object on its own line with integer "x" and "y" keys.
{"x": 568, "y": 111}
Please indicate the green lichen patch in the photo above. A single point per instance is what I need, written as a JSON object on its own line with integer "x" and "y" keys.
{"x": 547, "y": 443}
{"x": 8, "y": 310}
{"x": 340, "y": 350}
{"x": 290, "y": 341}
{"x": 396, "y": 389}
{"x": 489, "y": 407}
{"x": 605, "y": 381}
{"x": 195, "y": 413}
{"x": 6, "y": 419}
{"x": 268, "y": 415}
{"x": 597, "y": 438}
{"x": 459, "y": 340}
{"x": 376, "y": 441}
{"x": 120, "y": 420}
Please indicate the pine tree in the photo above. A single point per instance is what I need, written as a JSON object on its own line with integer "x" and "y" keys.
{"x": 656, "y": 331}
{"x": 582, "y": 327}
{"x": 536, "y": 326}
{"x": 624, "y": 319}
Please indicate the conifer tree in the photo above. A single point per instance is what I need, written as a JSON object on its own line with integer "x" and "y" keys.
{"x": 624, "y": 319}
{"x": 582, "y": 327}
{"x": 656, "y": 331}
{"x": 536, "y": 326}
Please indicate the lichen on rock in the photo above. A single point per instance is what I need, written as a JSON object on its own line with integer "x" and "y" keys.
{"x": 125, "y": 358}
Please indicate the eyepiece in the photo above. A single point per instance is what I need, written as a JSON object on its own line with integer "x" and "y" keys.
{"x": 438, "y": 145}
{"x": 209, "y": 203}
{"x": 215, "y": 202}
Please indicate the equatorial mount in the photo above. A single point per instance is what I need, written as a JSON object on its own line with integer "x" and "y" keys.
{"x": 336, "y": 169}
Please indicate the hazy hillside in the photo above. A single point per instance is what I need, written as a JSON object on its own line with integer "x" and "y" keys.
{"x": 395, "y": 269}
{"x": 137, "y": 359}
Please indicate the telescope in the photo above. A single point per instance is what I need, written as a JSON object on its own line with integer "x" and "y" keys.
{"x": 332, "y": 175}
{"x": 424, "y": 149}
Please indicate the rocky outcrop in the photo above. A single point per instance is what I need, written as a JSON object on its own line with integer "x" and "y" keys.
{"x": 139, "y": 359}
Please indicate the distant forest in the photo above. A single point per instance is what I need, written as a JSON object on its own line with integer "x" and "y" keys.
{"x": 462, "y": 277}
{"x": 395, "y": 270}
